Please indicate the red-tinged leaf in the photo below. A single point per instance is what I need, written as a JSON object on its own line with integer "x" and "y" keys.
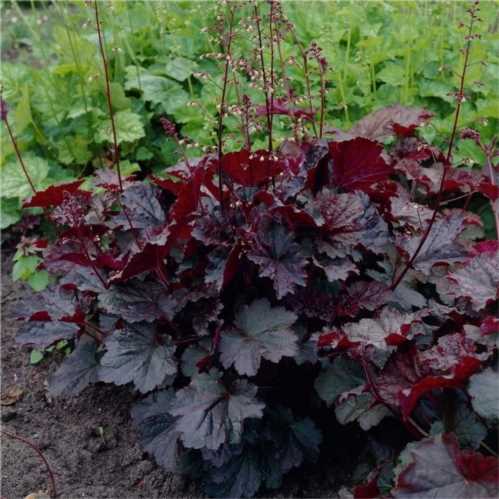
{"x": 388, "y": 121}
{"x": 188, "y": 197}
{"x": 55, "y": 195}
{"x": 410, "y": 375}
{"x": 437, "y": 467}
{"x": 145, "y": 260}
{"x": 250, "y": 169}
{"x": 278, "y": 257}
{"x": 280, "y": 106}
{"x": 484, "y": 247}
{"x": 334, "y": 340}
{"x": 388, "y": 328}
{"x": 367, "y": 490}
{"x": 461, "y": 372}
{"x": 476, "y": 281}
{"x": 490, "y": 325}
{"x": 358, "y": 163}
{"x": 109, "y": 180}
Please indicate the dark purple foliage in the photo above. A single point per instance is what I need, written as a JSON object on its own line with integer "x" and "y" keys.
{"x": 243, "y": 320}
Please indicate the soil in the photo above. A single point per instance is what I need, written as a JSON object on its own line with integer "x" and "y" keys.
{"x": 89, "y": 440}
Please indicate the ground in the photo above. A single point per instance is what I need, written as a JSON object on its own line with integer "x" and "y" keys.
{"x": 89, "y": 440}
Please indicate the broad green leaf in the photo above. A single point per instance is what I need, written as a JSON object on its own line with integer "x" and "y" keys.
{"x": 180, "y": 68}
{"x": 22, "y": 113}
{"x": 10, "y": 212}
{"x": 393, "y": 74}
{"x": 39, "y": 280}
{"x": 13, "y": 181}
{"x": 157, "y": 89}
{"x": 74, "y": 150}
{"x": 119, "y": 99}
{"x": 24, "y": 267}
{"x": 129, "y": 128}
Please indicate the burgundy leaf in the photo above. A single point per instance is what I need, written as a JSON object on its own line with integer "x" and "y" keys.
{"x": 410, "y": 375}
{"x": 250, "y": 169}
{"x": 55, "y": 195}
{"x": 358, "y": 163}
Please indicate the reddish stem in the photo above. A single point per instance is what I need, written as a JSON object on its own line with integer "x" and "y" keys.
{"x": 42, "y": 457}
{"x": 18, "y": 154}
{"x": 116, "y": 154}
{"x": 460, "y": 96}
{"x": 222, "y": 106}
{"x": 264, "y": 74}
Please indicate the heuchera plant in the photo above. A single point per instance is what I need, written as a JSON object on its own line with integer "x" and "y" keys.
{"x": 256, "y": 297}
{"x": 210, "y": 304}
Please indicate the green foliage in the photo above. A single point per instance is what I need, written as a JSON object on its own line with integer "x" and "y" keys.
{"x": 163, "y": 60}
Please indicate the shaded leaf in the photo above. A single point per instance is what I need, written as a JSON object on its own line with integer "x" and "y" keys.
{"x": 343, "y": 375}
{"x": 77, "y": 371}
{"x": 156, "y": 426}
{"x": 210, "y": 415}
{"x": 43, "y": 333}
{"x": 484, "y": 392}
{"x": 436, "y": 467}
{"x": 137, "y": 353}
{"x": 259, "y": 331}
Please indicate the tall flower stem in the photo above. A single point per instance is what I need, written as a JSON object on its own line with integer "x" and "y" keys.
{"x": 271, "y": 89}
{"x": 18, "y": 152}
{"x": 221, "y": 111}
{"x": 264, "y": 75}
{"x": 460, "y": 99}
{"x": 116, "y": 154}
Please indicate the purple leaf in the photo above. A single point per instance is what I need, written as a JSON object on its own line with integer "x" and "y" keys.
{"x": 77, "y": 371}
{"x": 156, "y": 427}
{"x": 259, "y": 331}
{"x": 138, "y": 354}
{"x": 477, "y": 280}
{"x": 209, "y": 415}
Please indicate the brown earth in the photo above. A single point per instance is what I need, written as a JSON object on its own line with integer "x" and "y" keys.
{"x": 89, "y": 440}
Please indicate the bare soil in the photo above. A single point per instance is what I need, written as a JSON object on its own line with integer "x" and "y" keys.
{"x": 89, "y": 440}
